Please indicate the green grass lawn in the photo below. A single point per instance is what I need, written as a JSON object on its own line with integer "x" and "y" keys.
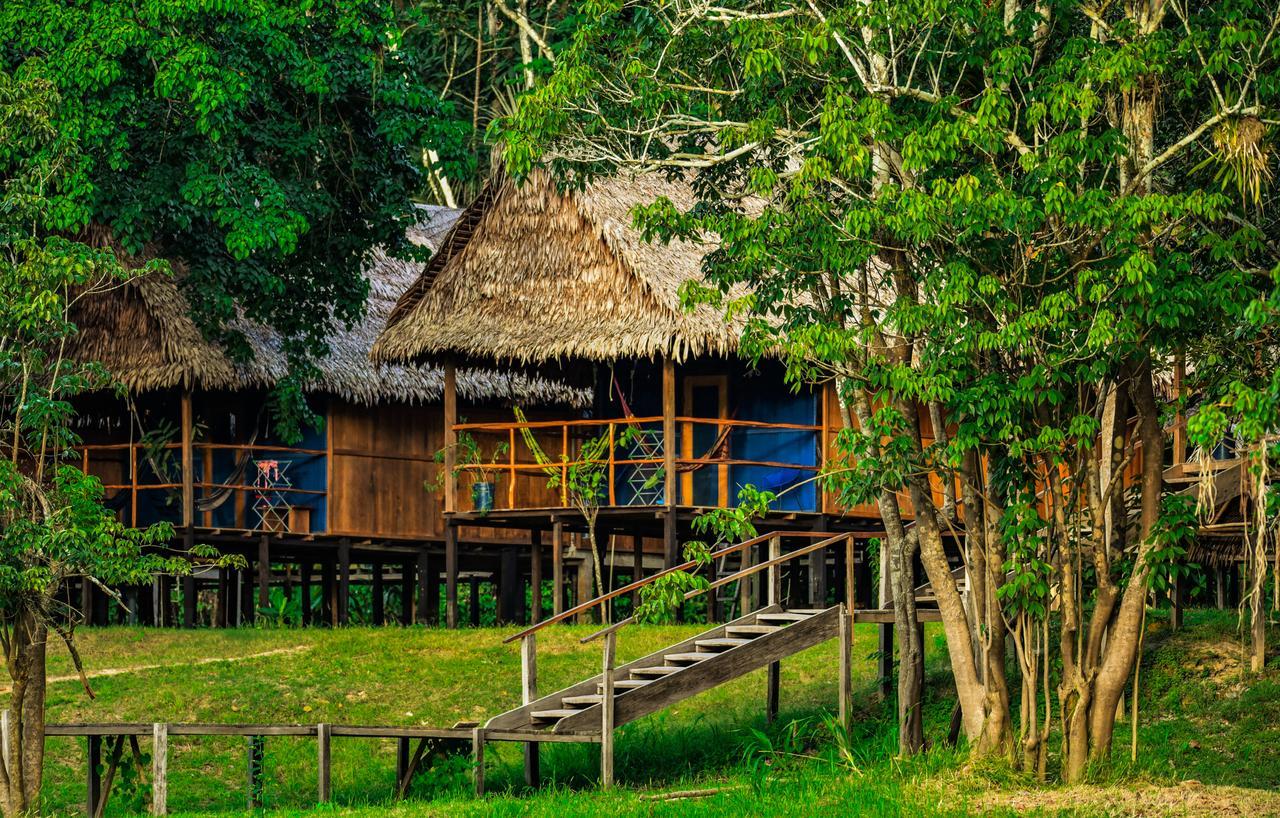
{"x": 1200, "y": 719}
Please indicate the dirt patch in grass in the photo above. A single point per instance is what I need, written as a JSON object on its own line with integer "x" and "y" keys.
{"x": 1189, "y": 798}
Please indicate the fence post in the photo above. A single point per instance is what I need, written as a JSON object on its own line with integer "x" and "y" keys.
{"x": 606, "y": 712}
{"x": 477, "y": 750}
{"x": 256, "y": 758}
{"x": 160, "y": 769}
{"x": 93, "y": 782}
{"x": 529, "y": 694}
{"x": 850, "y": 583}
{"x": 322, "y": 763}
{"x": 846, "y": 673}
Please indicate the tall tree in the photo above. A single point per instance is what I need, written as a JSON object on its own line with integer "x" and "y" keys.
{"x": 54, "y": 528}
{"x": 270, "y": 146}
{"x": 1005, "y": 216}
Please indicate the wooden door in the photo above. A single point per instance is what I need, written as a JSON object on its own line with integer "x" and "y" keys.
{"x": 705, "y": 396}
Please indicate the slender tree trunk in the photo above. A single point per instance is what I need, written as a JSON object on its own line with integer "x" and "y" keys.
{"x": 24, "y": 771}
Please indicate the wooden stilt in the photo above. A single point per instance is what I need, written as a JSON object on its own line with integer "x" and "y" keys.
{"x": 670, "y": 539}
{"x": 585, "y": 575}
{"x": 473, "y": 601}
{"x": 328, "y": 592}
{"x": 451, "y": 575}
{"x": 885, "y": 661}
{"x": 535, "y": 576}
{"x": 773, "y": 693}
{"x": 557, "y": 568}
{"x": 424, "y": 613}
{"x": 247, "y": 613}
{"x": 188, "y": 585}
{"x": 508, "y": 586}
{"x": 637, "y": 566}
{"x": 433, "y": 590}
{"x": 407, "y": 584}
{"x": 304, "y": 590}
{"x": 264, "y": 573}
{"x": 344, "y": 581}
{"x": 224, "y": 597}
{"x": 376, "y": 591}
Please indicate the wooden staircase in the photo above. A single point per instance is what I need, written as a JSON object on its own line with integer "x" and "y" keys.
{"x": 665, "y": 677}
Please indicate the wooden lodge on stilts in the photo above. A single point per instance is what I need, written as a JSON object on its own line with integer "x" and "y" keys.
{"x": 560, "y": 283}
{"x": 340, "y": 527}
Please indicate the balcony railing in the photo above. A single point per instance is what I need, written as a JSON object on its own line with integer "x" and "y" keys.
{"x": 710, "y": 453}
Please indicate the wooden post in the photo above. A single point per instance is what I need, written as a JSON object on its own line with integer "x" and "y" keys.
{"x": 451, "y": 575}
{"x": 557, "y": 568}
{"x": 585, "y": 573}
{"x": 775, "y": 571}
{"x": 304, "y": 589}
{"x": 818, "y": 578}
{"x": 93, "y": 782}
{"x": 188, "y": 585}
{"x": 256, "y": 756}
{"x": 323, "y": 759}
{"x": 376, "y": 591}
{"x": 772, "y": 695}
{"x": 159, "y": 769}
{"x": 477, "y": 753}
{"x": 246, "y": 597}
{"x": 669, "y": 433}
{"x": 407, "y": 581}
{"x": 344, "y": 581}
{"x": 606, "y": 711}
{"x": 328, "y": 592}
{"x": 508, "y": 585}
{"x": 403, "y": 759}
{"x": 535, "y": 576}
{"x": 450, "y": 436}
{"x": 637, "y": 566}
{"x": 1175, "y": 603}
{"x": 529, "y": 694}
{"x": 473, "y": 601}
{"x": 188, "y": 464}
{"x": 850, "y": 579}
{"x": 846, "y": 671}
{"x": 886, "y": 660}
{"x": 670, "y": 538}
{"x": 713, "y": 595}
{"x": 264, "y": 573}
{"x": 424, "y": 613}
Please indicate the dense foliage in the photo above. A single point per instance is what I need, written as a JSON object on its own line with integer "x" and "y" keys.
{"x": 996, "y": 226}
{"x": 265, "y": 148}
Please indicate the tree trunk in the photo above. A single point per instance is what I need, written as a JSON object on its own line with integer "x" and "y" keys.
{"x": 21, "y": 776}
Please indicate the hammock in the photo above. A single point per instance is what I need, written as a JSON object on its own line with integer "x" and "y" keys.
{"x": 718, "y": 450}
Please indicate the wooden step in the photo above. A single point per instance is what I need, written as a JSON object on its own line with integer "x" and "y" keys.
{"x": 721, "y": 642}
{"x": 687, "y": 657}
{"x": 626, "y": 684}
{"x": 752, "y": 630}
{"x": 552, "y": 715}
{"x": 661, "y": 670}
{"x": 786, "y": 616}
{"x": 583, "y": 701}
{"x": 806, "y": 611}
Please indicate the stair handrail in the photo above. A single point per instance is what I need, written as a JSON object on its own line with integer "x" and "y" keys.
{"x": 772, "y": 562}
{"x": 640, "y": 583}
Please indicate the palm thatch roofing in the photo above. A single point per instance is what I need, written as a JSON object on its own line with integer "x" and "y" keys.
{"x": 143, "y": 333}
{"x": 532, "y": 274}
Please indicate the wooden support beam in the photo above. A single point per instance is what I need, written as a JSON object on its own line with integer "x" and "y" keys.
{"x": 508, "y": 585}
{"x": 407, "y": 583}
{"x": 669, "y": 435}
{"x": 606, "y": 710}
{"x": 433, "y": 591}
{"x": 328, "y": 592}
{"x": 670, "y": 539}
{"x": 528, "y": 695}
{"x": 885, "y": 660}
{"x": 586, "y": 571}
{"x": 774, "y": 572}
{"x": 188, "y": 585}
{"x": 255, "y": 757}
{"x": 323, "y": 762}
{"x": 473, "y": 601}
{"x": 451, "y": 575}
{"x": 188, "y": 463}
{"x": 557, "y": 568}
{"x": 304, "y": 589}
{"x": 159, "y": 769}
{"x": 264, "y": 573}
{"x": 535, "y": 576}
{"x": 637, "y": 566}
{"x": 450, "y": 437}
{"x": 773, "y": 693}
{"x": 376, "y": 591}
{"x": 245, "y": 595}
{"x": 224, "y": 598}
{"x": 344, "y": 581}
{"x": 424, "y": 613}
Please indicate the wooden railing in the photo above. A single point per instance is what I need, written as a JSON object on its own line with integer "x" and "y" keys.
{"x": 131, "y": 458}
{"x": 644, "y": 448}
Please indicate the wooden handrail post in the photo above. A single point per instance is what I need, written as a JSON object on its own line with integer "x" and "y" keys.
{"x": 775, "y": 571}
{"x": 511, "y": 482}
{"x": 606, "y": 711}
{"x": 450, "y": 436}
{"x": 529, "y": 694}
{"x": 850, "y": 581}
{"x": 669, "y": 433}
{"x": 188, "y": 467}
{"x": 613, "y": 500}
{"x": 323, "y": 758}
{"x": 846, "y": 672}
{"x": 477, "y": 759}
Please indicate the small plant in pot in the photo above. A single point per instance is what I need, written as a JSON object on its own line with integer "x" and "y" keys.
{"x": 469, "y": 458}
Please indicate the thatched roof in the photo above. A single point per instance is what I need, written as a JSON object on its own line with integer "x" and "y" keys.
{"x": 531, "y": 274}
{"x": 142, "y": 332}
